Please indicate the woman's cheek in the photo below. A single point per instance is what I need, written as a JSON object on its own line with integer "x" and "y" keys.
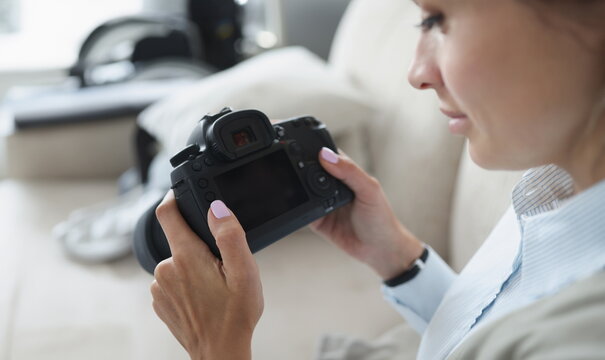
{"x": 464, "y": 89}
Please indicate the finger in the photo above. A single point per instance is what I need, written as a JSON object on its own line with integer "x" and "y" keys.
{"x": 344, "y": 169}
{"x": 164, "y": 272}
{"x": 164, "y": 308}
{"x": 230, "y": 240}
{"x": 181, "y": 239}
{"x": 161, "y": 303}
{"x": 157, "y": 293}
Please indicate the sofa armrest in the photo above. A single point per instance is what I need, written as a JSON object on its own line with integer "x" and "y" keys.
{"x": 95, "y": 149}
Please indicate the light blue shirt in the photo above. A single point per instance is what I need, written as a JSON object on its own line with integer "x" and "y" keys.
{"x": 549, "y": 239}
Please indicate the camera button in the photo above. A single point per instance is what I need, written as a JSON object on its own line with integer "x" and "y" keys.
{"x": 210, "y": 196}
{"x": 280, "y": 131}
{"x": 321, "y": 180}
{"x": 296, "y": 148}
{"x": 196, "y": 166}
{"x": 184, "y": 155}
{"x": 311, "y": 121}
{"x": 329, "y": 203}
{"x": 203, "y": 183}
{"x": 208, "y": 161}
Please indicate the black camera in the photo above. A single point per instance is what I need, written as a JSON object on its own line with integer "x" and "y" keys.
{"x": 268, "y": 175}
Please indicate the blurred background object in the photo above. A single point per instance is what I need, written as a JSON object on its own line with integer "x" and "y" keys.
{"x": 52, "y": 41}
{"x": 311, "y": 23}
{"x": 9, "y": 18}
{"x": 275, "y": 23}
{"x": 49, "y": 33}
{"x": 166, "y": 7}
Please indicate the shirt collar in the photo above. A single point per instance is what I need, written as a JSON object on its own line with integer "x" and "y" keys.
{"x": 541, "y": 189}
{"x": 562, "y": 234}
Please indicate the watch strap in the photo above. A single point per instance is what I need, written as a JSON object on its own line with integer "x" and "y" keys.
{"x": 409, "y": 273}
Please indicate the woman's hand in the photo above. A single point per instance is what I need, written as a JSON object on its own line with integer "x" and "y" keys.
{"x": 366, "y": 229}
{"x": 210, "y": 306}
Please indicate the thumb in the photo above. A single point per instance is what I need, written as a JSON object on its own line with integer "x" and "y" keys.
{"x": 230, "y": 239}
{"x": 344, "y": 169}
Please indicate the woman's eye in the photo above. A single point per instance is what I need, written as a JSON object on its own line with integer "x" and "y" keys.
{"x": 430, "y": 21}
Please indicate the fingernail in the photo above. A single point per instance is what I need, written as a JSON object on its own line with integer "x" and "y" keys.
{"x": 329, "y": 155}
{"x": 219, "y": 209}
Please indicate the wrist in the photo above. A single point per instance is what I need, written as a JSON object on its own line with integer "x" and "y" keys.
{"x": 400, "y": 256}
{"x": 237, "y": 349}
{"x": 229, "y": 353}
{"x": 409, "y": 273}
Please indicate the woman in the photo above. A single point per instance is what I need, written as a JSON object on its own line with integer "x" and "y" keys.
{"x": 524, "y": 81}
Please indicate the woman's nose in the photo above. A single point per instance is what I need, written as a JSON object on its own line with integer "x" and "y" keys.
{"x": 424, "y": 73}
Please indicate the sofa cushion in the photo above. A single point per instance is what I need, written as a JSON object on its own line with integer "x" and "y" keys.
{"x": 481, "y": 198}
{"x": 411, "y": 150}
{"x": 416, "y": 160}
{"x": 282, "y": 83}
{"x": 373, "y": 45}
{"x": 399, "y": 343}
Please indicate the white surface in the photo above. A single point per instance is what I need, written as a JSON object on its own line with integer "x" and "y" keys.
{"x": 54, "y": 308}
{"x": 59, "y": 309}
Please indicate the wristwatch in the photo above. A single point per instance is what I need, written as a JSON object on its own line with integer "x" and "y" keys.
{"x": 410, "y": 273}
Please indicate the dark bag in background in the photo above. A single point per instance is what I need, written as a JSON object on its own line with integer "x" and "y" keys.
{"x": 220, "y": 26}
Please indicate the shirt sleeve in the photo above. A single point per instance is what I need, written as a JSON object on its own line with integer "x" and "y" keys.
{"x": 417, "y": 299}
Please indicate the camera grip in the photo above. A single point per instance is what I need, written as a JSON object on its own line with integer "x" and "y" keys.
{"x": 196, "y": 219}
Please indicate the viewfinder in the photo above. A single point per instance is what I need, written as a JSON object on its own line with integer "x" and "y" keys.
{"x": 243, "y": 137}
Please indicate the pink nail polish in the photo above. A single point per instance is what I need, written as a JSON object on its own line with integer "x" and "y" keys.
{"x": 219, "y": 209}
{"x": 329, "y": 155}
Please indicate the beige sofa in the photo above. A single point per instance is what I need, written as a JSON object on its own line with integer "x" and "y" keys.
{"x": 52, "y": 307}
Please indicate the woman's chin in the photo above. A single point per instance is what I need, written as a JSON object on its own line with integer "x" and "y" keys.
{"x": 495, "y": 160}
{"x": 488, "y": 160}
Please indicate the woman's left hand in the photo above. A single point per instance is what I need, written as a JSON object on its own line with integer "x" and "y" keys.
{"x": 210, "y": 306}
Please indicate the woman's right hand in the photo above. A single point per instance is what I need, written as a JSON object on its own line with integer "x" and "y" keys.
{"x": 367, "y": 228}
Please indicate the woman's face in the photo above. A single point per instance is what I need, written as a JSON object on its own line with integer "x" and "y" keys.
{"x": 520, "y": 88}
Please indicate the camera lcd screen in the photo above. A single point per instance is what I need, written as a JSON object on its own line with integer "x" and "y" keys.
{"x": 262, "y": 189}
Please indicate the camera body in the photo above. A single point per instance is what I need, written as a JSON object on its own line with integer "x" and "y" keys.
{"x": 268, "y": 175}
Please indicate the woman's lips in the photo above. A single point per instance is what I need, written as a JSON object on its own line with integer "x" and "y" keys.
{"x": 458, "y": 123}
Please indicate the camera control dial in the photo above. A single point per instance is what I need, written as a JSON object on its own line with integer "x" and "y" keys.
{"x": 320, "y": 182}
{"x": 184, "y": 155}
